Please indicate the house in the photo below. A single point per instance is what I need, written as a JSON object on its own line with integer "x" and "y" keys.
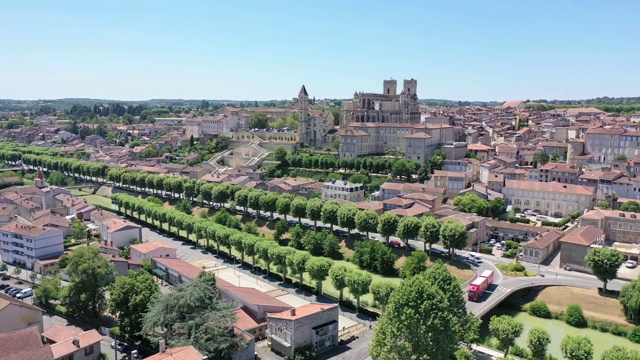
{"x": 576, "y": 244}
{"x": 618, "y": 226}
{"x": 16, "y": 314}
{"x": 24, "y": 344}
{"x": 502, "y": 230}
{"x": 7, "y": 213}
{"x": 69, "y": 342}
{"x": 553, "y": 198}
{"x": 540, "y": 247}
{"x": 24, "y": 244}
{"x": 119, "y": 232}
{"x": 152, "y": 249}
{"x": 342, "y": 190}
{"x": 312, "y": 324}
{"x": 180, "y": 353}
{"x": 452, "y": 181}
{"x": 99, "y": 216}
{"x": 174, "y": 271}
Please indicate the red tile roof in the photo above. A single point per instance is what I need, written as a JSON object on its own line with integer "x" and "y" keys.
{"x": 181, "y": 353}
{"x": 252, "y": 296}
{"x": 180, "y": 266}
{"x": 549, "y": 187}
{"x": 244, "y": 320}
{"x": 302, "y": 311}
{"x": 71, "y": 345}
{"x": 584, "y": 235}
{"x": 60, "y": 333}
{"x": 24, "y": 344}
{"x": 147, "y": 247}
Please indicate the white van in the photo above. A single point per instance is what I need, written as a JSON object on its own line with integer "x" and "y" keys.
{"x": 475, "y": 258}
{"x": 25, "y": 293}
{"x": 541, "y": 217}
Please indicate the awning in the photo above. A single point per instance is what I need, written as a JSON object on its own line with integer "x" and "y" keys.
{"x": 159, "y": 272}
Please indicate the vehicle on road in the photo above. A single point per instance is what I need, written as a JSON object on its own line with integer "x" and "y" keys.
{"x": 541, "y": 217}
{"x": 24, "y": 293}
{"x": 119, "y": 345}
{"x": 437, "y": 251}
{"x": 475, "y": 258}
{"x": 395, "y": 243}
{"x": 411, "y": 247}
{"x": 3, "y": 286}
{"x": 631, "y": 264}
{"x": 479, "y": 286}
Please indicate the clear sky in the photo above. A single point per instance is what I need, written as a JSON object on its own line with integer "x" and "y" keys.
{"x": 458, "y": 50}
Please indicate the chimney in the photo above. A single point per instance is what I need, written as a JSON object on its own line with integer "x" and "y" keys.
{"x": 76, "y": 342}
{"x": 293, "y": 312}
{"x": 163, "y": 346}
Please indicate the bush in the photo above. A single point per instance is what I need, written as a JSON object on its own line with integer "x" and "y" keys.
{"x": 515, "y": 267}
{"x": 539, "y": 309}
{"x": 464, "y": 354}
{"x": 575, "y": 317}
{"x": 510, "y": 244}
{"x": 634, "y": 335}
{"x": 519, "y": 351}
{"x": 510, "y": 253}
{"x": 618, "y": 331}
{"x": 486, "y": 250}
{"x": 603, "y": 326}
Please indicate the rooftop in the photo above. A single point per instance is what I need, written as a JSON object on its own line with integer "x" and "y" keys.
{"x": 584, "y": 235}
{"x": 70, "y": 345}
{"x": 24, "y": 344}
{"x": 549, "y": 187}
{"x": 302, "y": 311}
{"x": 180, "y": 353}
{"x": 147, "y": 247}
{"x": 25, "y": 229}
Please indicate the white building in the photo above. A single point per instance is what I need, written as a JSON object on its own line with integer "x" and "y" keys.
{"x": 343, "y": 190}
{"x": 553, "y": 198}
{"x": 119, "y": 233}
{"x": 24, "y": 244}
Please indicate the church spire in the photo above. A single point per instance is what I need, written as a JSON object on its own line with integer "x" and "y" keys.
{"x": 303, "y": 91}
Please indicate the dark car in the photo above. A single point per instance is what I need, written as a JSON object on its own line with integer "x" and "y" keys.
{"x": 119, "y": 345}
{"x": 437, "y": 251}
{"x": 6, "y": 290}
{"x": 411, "y": 247}
{"x": 3, "y": 286}
{"x": 14, "y": 292}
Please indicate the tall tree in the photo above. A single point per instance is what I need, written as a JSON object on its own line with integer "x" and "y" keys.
{"x": 367, "y": 221}
{"x": 318, "y": 269}
{"x": 430, "y": 232}
{"x": 506, "y": 329}
{"x": 49, "y": 290}
{"x": 454, "y": 235}
{"x": 408, "y": 228}
{"x": 338, "y": 275}
{"x": 381, "y": 292}
{"x": 130, "y": 298}
{"x": 605, "y": 262}
{"x": 412, "y": 325}
{"x": 538, "y": 341}
{"x": 314, "y": 210}
{"x": 299, "y": 208}
{"x": 414, "y": 264}
{"x": 347, "y": 217}
{"x": 193, "y": 314}
{"x": 630, "y": 300}
{"x": 297, "y": 262}
{"x": 576, "y": 348}
{"x": 283, "y": 206}
{"x": 358, "y": 283}
{"x": 330, "y": 213}
{"x": 90, "y": 274}
{"x": 268, "y": 203}
{"x": 618, "y": 352}
{"x": 388, "y": 225}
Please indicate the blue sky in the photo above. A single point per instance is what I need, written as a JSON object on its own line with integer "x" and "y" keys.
{"x": 459, "y": 50}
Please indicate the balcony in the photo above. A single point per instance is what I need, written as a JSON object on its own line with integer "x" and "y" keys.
{"x": 280, "y": 340}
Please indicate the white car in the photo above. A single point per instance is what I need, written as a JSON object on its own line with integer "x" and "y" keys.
{"x": 25, "y": 293}
{"x": 631, "y": 264}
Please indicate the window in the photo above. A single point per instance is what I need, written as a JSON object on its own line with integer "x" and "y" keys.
{"x": 88, "y": 351}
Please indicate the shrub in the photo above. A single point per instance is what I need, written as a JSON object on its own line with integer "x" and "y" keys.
{"x": 515, "y": 267}
{"x": 307, "y": 352}
{"x": 634, "y": 335}
{"x": 486, "y": 250}
{"x": 510, "y": 244}
{"x": 618, "y": 331}
{"x": 464, "y": 354}
{"x": 519, "y": 351}
{"x": 510, "y": 253}
{"x": 575, "y": 317}
{"x": 603, "y": 326}
{"x": 539, "y": 309}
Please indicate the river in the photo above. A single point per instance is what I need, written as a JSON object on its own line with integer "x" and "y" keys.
{"x": 558, "y": 330}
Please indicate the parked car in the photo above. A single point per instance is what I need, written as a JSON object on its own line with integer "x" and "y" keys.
{"x": 24, "y": 293}
{"x": 499, "y": 246}
{"x": 411, "y": 247}
{"x": 395, "y": 243}
{"x": 541, "y": 217}
{"x": 14, "y": 292}
{"x": 475, "y": 258}
{"x": 6, "y": 290}
{"x": 437, "y": 251}
{"x": 631, "y": 264}
{"x": 119, "y": 345}
{"x": 3, "y": 286}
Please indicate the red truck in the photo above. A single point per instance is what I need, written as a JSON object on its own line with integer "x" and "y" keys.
{"x": 480, "y": 285}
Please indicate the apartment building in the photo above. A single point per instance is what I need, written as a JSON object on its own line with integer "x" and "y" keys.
{"x": 342, "y": 190}
{"x": 24, "y": 244}
{"x": 559, "y": 172}
{"x": 552, "y": 199}
{"x": 453, "y": 182}
{"x": 471, "y": 167}
{"x": 618, "y": 226}
{"x": 153, "y": 249}
{"x": 502, "y": 230}
{"x": 605, "y": 145}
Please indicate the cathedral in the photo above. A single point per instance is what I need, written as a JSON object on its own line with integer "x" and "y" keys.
{"x": 387, "y": 107}
{"x": 313, "y": 125}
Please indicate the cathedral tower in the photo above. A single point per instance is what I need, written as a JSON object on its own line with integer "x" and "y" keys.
{"x": 304, "y": 127}
{"x": 389, "y": 87}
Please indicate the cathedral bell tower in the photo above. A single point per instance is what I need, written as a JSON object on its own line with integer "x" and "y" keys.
{"x": 40, "y": 181}
{"x": 304, "y": 126}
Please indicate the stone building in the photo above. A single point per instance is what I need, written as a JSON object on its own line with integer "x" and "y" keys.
{"x": 312, "y": 324}
{"x": 552, "y": 199}
{"x": 575, "y": 246}
{"x": 387, "y": 107}
{"x": 313, "y": 125}
{"x": 342, "y": 190}
{"x": 618, "y": 226}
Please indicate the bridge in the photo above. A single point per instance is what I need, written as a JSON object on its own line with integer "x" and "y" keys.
{"x": 504, "y": 286}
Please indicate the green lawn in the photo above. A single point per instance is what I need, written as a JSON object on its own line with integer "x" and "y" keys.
{"x": 97, "y": 200}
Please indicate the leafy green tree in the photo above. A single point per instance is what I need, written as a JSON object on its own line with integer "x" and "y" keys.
{"x": 296, "y": 234}
{"x": 330, "y": 213}
{"x": 436, "y": 162}
{"x": 471, "y": 203}
{"x": 338, "y": 275}
{"x": 454, "y": 235}
{"x": 258, "y": 121}
{"x": 412, "y": 325}
{"x": 423, "y": 173}
{"x": 574, "y": 316}
{"x": 540, "y": 158}
{"x": 193, "y": 314}
{"x": 268, "y": 203}
{"x": 48, "y": 291}
{"x": 506, "y": 330}
{"x": 57, "y": 178}
{"x": 630, "y": 300}
{"x": 604, "y": 262}
{"x": 281, "y": 228}
{"x": 381, "y": 292}
{"x": 414, "y": 264}
{"x": 367, "y": 221}
{"x": 314, "y": 210}
{"x": 184, "y": 206}
{"x": 576, "y": 348}
{"x": 299, "y": 208}
{"x": 283, "y": 206}
{"x": 347, "y": 217}
{"x": 130, "y": 297}
{"x": 374, "y": 256}
{"x": 280, "y": 255}
{"x": 430, "y": 231}
{"x": 496, "y": 207}
{"x": 90, "y": 274}
{"x": 298, "y": 264}
{"x": 263, "y": 249}
{"x": 618, "y": 352}
{"x": 318, "y": 269}
{"x": 631, "y": 206}
{"x": 250, "y": 228}
{"x": 388, "y": 225}
{"x": 17, "y": 271}
{"x": 408, "y": 228}
{"x": 538, "y": 341}
{"x": 358, "y": 283}
{"x": 439, "y": 275}
{"x": 281, "y": 155}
